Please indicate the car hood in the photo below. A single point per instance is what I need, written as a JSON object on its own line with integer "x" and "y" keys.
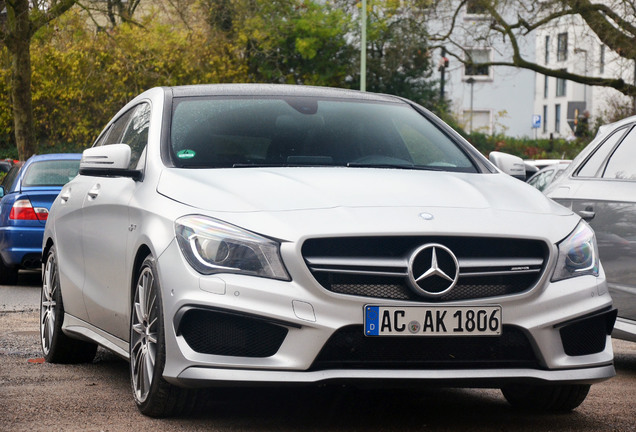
{"x": 360, "y": 200}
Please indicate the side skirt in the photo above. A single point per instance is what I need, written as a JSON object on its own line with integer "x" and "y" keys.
{"x": 79, "y": 329}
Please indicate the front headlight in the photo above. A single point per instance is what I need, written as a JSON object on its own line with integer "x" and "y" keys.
{"x": 212, "y": 246}
{"x": 578, "y": 254}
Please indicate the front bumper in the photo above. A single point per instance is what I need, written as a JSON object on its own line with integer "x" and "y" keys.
{"x": 204, "y": 376}
{"x": 310, "y": 316}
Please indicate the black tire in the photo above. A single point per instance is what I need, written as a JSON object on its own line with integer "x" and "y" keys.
{"x": 154, "y": 396}
{"x": 8, "y": 274}
{"x": 56, "y": 346}
{"x": 554, "y": 398}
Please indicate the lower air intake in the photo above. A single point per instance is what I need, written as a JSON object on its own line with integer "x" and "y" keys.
{"x": 348, "y": 348}
{"x": 219, "y": 333}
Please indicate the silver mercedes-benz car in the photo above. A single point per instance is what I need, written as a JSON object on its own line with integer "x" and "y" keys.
{"x": 265, "y": 234}
{"x": 600, "y": 185}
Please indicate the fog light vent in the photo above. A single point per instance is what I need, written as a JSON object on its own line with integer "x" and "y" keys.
{"x": 218, "y": 333}
{"x": 588, "y": 335}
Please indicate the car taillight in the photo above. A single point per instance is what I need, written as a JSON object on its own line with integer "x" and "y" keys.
{"x": 23, "y": 210}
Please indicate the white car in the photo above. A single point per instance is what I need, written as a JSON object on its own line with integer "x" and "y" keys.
{"x": 229, "y": 234}
{"x": 542, "y": 178}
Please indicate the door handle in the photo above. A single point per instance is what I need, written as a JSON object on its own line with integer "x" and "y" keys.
{"x": 587, "y": 214}
{"x": 65, "y": 196}
{"x": 94, "y": 191}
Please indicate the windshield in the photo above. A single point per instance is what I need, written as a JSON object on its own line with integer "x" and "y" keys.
{"x": 51, "y": 173}
{"x": 242, "y": 132}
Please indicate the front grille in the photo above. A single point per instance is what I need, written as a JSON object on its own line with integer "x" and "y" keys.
{"x": 377, "y": 267}
{"x": 219, "y": 333}
{"x": 588, "y": 335}
{"x": 349, "y": 348}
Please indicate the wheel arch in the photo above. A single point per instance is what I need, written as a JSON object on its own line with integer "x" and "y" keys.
{"x": 142, "y": 252}
{"x": 46, "y": 248}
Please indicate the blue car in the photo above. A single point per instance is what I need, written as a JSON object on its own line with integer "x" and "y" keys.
{"x": 27, "y": 192}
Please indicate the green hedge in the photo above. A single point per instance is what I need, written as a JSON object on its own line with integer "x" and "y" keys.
{"x": 527, "y": 148}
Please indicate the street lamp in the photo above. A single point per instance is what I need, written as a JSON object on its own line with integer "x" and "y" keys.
{"x": 363, "y": 47}
{"x": 471, "y": 81}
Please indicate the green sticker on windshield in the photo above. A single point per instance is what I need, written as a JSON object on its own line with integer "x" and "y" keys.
{"x": 186, "y": 154}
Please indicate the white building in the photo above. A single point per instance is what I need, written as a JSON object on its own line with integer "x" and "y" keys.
{"x": 503, "y": 99}
{"x": 487, "y": 99}
{"x": 570, "y": 45}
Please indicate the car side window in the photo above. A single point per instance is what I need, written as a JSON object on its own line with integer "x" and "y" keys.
{"x": 132, "y": 129}
{"x": 621, "y": 163}
{"x": 542, "y": 179}
{"x": 136, "y": 134}
{"x": 117, "y": 128}
{"x": 103, "y": 137}
{"x": 9, "y": 179}
{"x": 594, "y": 164}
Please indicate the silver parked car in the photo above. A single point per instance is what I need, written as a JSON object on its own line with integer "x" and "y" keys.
{"x": 600, "y": 185}
{"x": 229, "y": 234}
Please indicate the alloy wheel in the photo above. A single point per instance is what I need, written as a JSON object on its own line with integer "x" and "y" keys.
{"x": 48, "y": 304}
{"x": 144, "y": 334}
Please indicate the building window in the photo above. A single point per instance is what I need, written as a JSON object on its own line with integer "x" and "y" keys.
{"x": 475, "y": 8}
{"x": 562, "y": 47}
{"x": 557, "y": 118}
{"x": 561, "y": 85}
{"x": 475, "y": 59}
{"x": 546, "y": 82}
{"x": 545, "y": 118}
{"x": 601, "y": 61}
{"x": 547, "y": 50}
{"x": 478, "y": 121}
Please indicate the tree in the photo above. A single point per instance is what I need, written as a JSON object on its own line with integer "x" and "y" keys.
{"x": 612, "y": 22}
{"x": 398, "y": 56}
{"x": 82, "y": 77}
{"x": 115, "y": 11}
{"x": 285, "y": 41}
{"x": 318, "y": 43}
{"x": 84, "y": 68}
{"x": 23, "y": 18}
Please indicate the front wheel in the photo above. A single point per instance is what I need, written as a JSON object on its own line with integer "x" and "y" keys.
{"x": 556, "y": 398}
{"x": 154, "y": 396}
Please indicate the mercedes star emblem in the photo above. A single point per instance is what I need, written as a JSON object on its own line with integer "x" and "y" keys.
{"x": 433, "y": 270}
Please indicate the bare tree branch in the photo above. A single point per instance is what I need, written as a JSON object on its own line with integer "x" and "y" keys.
{"x": 42, "y": 16}
{"x": 613, "y": 24}
{"x": 618, "y": 34}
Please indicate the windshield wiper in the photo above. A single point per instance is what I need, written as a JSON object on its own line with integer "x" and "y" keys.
{"x": 259, "y": 165}
{"x": 394, "y": 166}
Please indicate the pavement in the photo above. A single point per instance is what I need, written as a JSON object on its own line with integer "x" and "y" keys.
{"x": 25, "y": 296}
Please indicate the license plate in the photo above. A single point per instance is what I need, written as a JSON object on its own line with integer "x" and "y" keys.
{"x": 432, "y": 321}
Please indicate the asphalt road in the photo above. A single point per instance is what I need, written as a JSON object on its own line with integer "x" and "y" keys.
{"x": 38, "y": 396}
{"x": 23, "y": 296}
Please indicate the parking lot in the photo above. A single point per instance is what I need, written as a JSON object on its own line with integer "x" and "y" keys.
{"x": 38, "y": 396}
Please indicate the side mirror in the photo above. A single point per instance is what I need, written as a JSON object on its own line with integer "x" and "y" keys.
{"x": 509, "y": 164}
{"x": 108, "y": 160}
{"x": 112, "y": 156}
{"x": 1, "y": 191}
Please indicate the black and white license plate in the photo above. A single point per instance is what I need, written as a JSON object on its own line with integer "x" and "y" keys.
{"x": 432, "y": 320}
